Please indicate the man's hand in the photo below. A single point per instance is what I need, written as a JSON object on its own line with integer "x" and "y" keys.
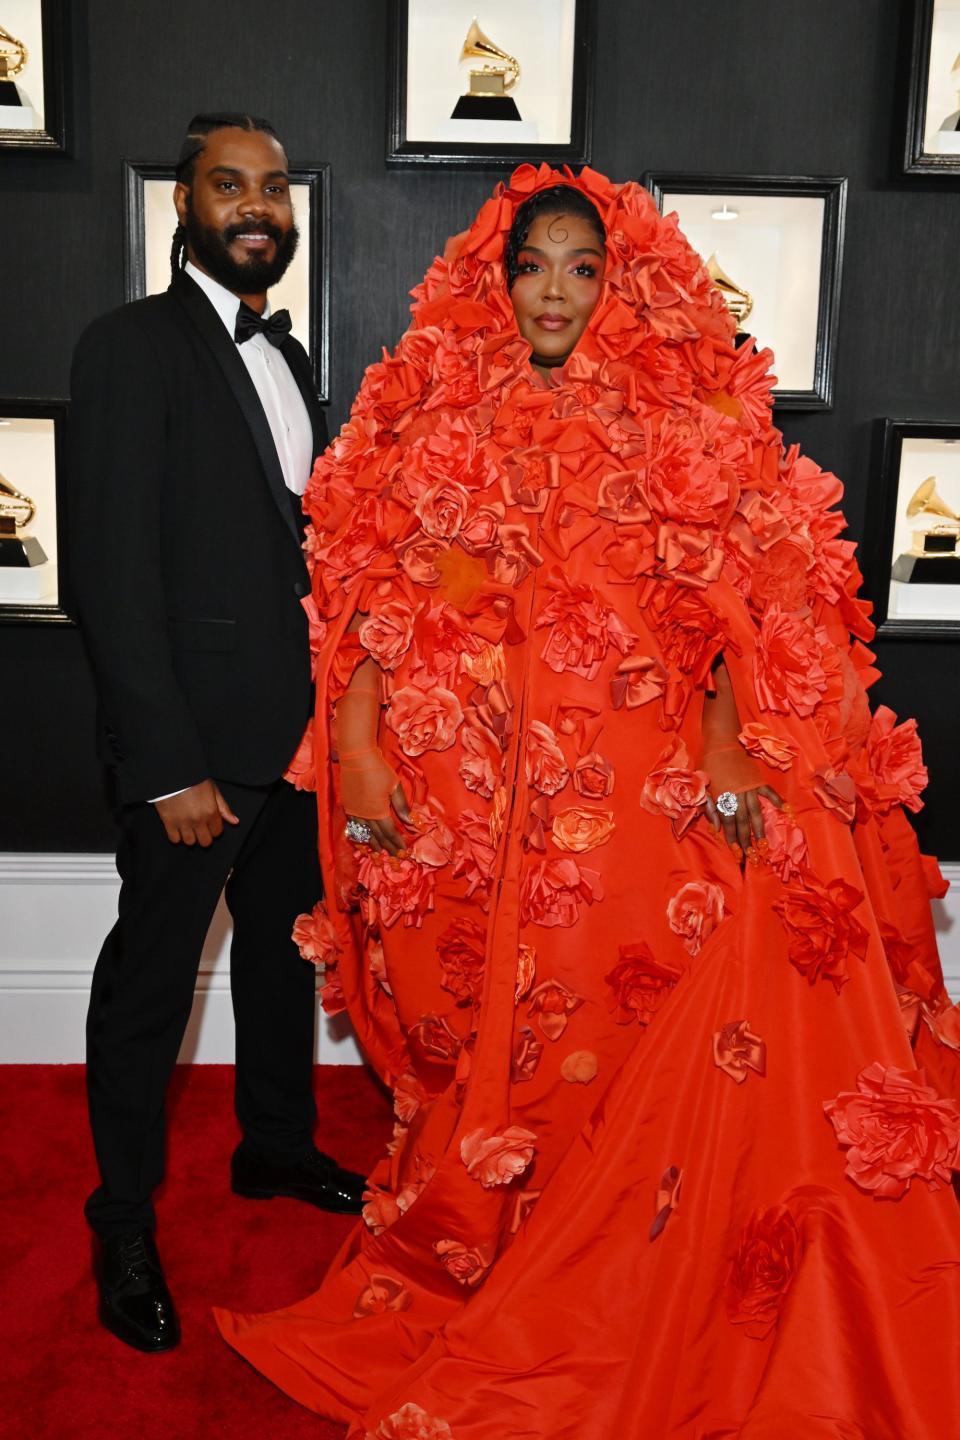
{"x": 195, "y": 816}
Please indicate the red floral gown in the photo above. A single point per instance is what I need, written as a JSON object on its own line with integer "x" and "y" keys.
{"x": 674, "y": 1138}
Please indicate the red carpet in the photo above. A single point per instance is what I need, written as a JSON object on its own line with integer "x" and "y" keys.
{"x": 66, "y": 1378}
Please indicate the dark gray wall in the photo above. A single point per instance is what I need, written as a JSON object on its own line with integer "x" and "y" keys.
{"x": 749, "y": 86}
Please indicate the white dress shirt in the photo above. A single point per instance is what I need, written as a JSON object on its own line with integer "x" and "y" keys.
{"x": 279, "y": 394}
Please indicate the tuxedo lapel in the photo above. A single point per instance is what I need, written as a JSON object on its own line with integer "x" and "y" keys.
{"x": 202, "y": 314}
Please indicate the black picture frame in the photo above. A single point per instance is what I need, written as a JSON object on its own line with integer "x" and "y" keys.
{"x": 916, "y": 159}
{"x": 315, "y": 245}
{"x": 52, "y": 139}
{"x": 876, "y": 554}
{"x": 403, "y": 152}
{"x": 41, "y": 613}
{"x": 832, "y": 189}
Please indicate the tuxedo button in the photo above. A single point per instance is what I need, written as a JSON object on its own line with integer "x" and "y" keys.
{"x": 300, "y": 589}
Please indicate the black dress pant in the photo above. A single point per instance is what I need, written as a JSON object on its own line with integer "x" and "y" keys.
{"x": 144, "y": 982}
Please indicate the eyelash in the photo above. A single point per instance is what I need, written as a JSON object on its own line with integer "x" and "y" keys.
{"x": 231, "y": 185}
{"x": 585, "y": 270}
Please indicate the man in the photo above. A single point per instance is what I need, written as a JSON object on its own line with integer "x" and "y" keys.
{"x": 194, "y": 429}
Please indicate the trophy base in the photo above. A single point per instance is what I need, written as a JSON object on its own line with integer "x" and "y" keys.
{"x": 485, "y": 107}
{"x": 16, "y": 112}
{"x": 9, "y": 94}
{"x": 20, "y": 552}
{"x": 926, "y": 569}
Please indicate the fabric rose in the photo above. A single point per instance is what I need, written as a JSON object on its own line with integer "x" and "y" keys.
{"x": 486, "y": 665}
{"x": 836, "y": 791}
{"x": 593, "y": 776}
{"x": 497, "y": 1159}
{"x": 580, "y": 1067}
{"x": 784, "y": 845}
{"x": 767, "y": 1259}
{"x": 552, "y": 892}
{"x": 411, "y": 1422}
{"x": 546, "y": 767}
{"x": 736, "y": 1051}
{"x": 408, "y": 1095}
{"x": 788, "y": 665}
{"x": 396, "y": 886}
{"x": 821, "y": 929}
{"x": 896, "y": 1129}
{"x": 442, "y": 509}
{"x": 423, "y": 721}
{"x": 763, "y": 745}
{"x": 315, "y": 937}
{"x": 383, "y": 1293}
{"x": 551, "y": 1004}
{"x": 527, "y": 1050}
{"x": 695, "y": 912}
{"x": 639, "y": 984}
{"x": 476, "y": 853}
{"x": 896, "y": 760}
{"x": 582, "y": 629}
{"x": 674, "y": 790}
{"x": 467, "y": 1264}
{"x": 476, "y": 769}
{"x": 441, "y": 640}
{"x": 435, "y": 1039}
{"x": 380, "y": 1212}
{"x": 387, "y": 631}
{"x": 461, "y": 950}
{"x": 580, "y": 829}
{"x": 683, "y": 480}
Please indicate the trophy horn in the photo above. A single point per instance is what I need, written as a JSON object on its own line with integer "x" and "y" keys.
{"x": 478, "y": 46}
{"x": 13, "y": 55}
{"x": 737, "y": 300}
{"x": 926, "y": 501}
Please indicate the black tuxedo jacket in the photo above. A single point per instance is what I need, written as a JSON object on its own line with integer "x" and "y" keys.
{"x": 185, "y": 549}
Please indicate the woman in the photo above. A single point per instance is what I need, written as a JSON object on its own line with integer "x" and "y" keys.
{"x": 636, "y": 928}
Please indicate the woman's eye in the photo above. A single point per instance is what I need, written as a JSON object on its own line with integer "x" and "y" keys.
{"x": 527, "y": 267}
{"x": 587, "y": 271}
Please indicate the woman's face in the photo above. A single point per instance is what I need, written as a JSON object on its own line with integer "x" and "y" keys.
{"x": 560, "y": 273}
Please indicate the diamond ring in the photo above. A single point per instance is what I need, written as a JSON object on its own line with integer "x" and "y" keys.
{"x": 358, "y": 831}
{"x": 728, "y": 804}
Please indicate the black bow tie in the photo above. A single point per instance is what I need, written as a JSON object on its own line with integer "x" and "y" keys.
{"x": 276, "y": 329}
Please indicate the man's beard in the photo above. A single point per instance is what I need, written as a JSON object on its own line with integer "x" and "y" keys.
{"x": 244, "y": 277}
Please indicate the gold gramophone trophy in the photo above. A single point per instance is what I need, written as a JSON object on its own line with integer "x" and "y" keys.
{"x": 18, "y": 550}
{"x": 738, "y": 301}
{"x": 923, "y": 563}
{"x": 13, "y": 59}
{"x": 487, "y": 98}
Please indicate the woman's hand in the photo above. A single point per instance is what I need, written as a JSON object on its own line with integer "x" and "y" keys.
{"x": 384, "y": 834}
{"x": 745, "y": 827}
{"x": 730, "y": 769}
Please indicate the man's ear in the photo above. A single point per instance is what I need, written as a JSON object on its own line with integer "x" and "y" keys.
{"x": 180, "y": 194}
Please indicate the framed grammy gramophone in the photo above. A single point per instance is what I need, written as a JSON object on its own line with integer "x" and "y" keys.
{"x": 774, "y": 247}
{"x": 911, "y": 551}
{"x": 32, "y": 505}
{"x": 932, "y": 138}
{"x": 32, "y": 58}
{"x": 489, "y": 83}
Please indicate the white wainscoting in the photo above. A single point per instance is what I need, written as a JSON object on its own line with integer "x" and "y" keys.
{"x": 56, "y": 909}
{"x": 54, "y": 912}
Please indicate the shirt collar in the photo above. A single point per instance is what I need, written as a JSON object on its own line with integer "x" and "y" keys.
{"x": 226, "y": 304}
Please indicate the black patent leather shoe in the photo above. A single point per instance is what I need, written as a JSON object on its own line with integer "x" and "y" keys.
{"x": 316, "y": 1178}
{"x": 135, "y": 1304}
